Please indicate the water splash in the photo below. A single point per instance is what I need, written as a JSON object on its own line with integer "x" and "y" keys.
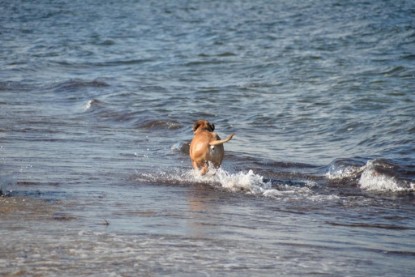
{"x": 343, "y": 169}
{"x": 244, "y": 181}
{"x": 247, "y": 182}
{"x": 375, "y": 178}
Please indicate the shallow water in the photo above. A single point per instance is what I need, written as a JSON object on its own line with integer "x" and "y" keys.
{"x": 97, "y": 101}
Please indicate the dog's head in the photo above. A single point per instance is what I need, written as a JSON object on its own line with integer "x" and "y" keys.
{"x": 203, "y": 125}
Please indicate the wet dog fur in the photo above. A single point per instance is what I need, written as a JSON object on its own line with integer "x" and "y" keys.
{"x": 206, "y": 146}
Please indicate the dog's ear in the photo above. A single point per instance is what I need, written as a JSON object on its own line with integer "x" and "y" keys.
{"x": 196, "y": 125}
{"x": 211, "y": 127}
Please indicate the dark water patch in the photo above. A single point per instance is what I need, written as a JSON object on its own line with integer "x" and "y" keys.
{"x": 35, "y": 193}
{"x": 275, "y": 173}
{"x": 226, "y": 54}
{"x": 209, "y": 90}
{"x": 409, "y": 57}
{"x": 115, "y": 63}
{"x": 33, "y": 183}
{"x": 15, "y": 86}
{"x": 77, "y": 84}
{"x": 366, "y": 225}
{"x": 400, "y": 253}
{"x": 106, "y": 42}
{"x": 160, "y": 124}
{"x": 61, "y": 216}
{"x": 398, "y": 71}
{"x": 152, "y": 89}
{"x": 223, "y": 54}
{"x": 198, "y": 63}
{"x": 90, "y": 64}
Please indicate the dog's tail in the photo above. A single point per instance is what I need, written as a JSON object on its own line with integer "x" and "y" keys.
{"x": 222, "y": 141}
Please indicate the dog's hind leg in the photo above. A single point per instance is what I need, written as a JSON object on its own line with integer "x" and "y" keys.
{"x": 195, "y": 165}
{"x": 205, "y": 168}
{"x": 202, "y": 167}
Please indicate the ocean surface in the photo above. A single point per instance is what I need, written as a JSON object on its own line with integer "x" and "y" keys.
{"x": 97, "y": 102}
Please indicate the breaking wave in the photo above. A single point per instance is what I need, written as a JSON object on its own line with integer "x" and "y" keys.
{"x": 247, "y": 182}
{"x": 379, "y": 177}
{"x": 375, "y": 176}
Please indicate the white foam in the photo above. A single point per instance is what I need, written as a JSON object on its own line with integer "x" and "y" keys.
{"x": 242, "y": 181}
{"x": 345, "y": 172}
{"x": 373, "y": 180}
{"x": 246, "y": 182}
{"x": 88, "y": 104}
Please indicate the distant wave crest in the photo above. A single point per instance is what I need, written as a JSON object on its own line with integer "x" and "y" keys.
{"x": 375, "y": 176}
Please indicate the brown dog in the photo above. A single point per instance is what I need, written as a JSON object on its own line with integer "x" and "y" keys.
{"x": 206, "y": 146}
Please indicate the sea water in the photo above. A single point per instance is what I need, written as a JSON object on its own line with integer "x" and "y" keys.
{"x": 97, "y": 102}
